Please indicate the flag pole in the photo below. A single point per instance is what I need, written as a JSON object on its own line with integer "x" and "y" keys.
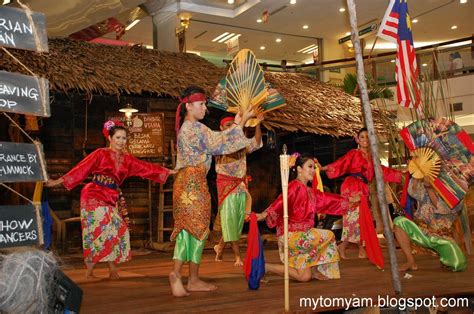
{"x": 284, "y": 170}
{"x": 374, "y": 147}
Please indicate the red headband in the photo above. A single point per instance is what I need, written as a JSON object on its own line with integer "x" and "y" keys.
{"x": 190, "y": 99}
{"x": 109, "y": 125}
{"x": 226, "y": 119}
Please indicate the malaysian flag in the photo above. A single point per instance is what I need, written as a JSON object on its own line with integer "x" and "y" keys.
{"x": 396, "y": 27}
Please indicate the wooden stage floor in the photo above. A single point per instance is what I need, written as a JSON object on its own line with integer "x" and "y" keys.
{"x": 143, "y": 287}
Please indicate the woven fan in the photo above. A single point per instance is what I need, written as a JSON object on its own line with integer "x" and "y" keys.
{"x": 424, "y": 163}
{"x": 452, "y": 146}
{"x": 245, "y": 84}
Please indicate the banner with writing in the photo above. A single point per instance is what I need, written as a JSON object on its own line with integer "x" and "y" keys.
{"x": 17, "y": 31}
{"x": 19, "y": 226}
{"x": 20, "y": 162}
{"x": 146, "y": 134}
{"x": 24, "y": 94}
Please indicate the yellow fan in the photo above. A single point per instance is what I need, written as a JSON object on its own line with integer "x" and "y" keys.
{"x": 245, "y": 84}
{"x": 424, "y": 162}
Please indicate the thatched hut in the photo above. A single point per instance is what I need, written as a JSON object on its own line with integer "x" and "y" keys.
{"x": 89, "y": 80}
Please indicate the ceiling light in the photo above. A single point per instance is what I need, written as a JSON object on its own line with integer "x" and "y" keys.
{"x": 311, "y": 50}
{"x": 278, "y": 40}
{"x": 348, "y": 33}
{"x": 226, "y": 38}
{"x": 220, "y": 36}
{"x": 259, "y": 21}
{"x": 230, "y": 38}
{"x": 305, "y": 48}
{"x": 230, "y": 1}
{"x": 454, "y": 27}
{"x": 294, "y": 2}
{"x": 462, "y": 1}
{"x": 342, "y": 9}
{"x": 132, "y": 24}
{"x": 262, "y": 47}
{"x": 414, "y": 21}
{"x": 305, "y": 26}
{"x": 424, "y": 65}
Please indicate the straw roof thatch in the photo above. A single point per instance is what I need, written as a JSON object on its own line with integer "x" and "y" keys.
{"x": 99, "y": 69}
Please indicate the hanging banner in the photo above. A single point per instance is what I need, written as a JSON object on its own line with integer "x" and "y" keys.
{"x": 146, "y": 134}
{"x": 24, "y": 94}
{"x": 20, "y": 162}
{"x": 20, "y": 226}
{"x": 21, "y": 31}
{"x": 363, "y": 32}
{"x": 232, "y": 45}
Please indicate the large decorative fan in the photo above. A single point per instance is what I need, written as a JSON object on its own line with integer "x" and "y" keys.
{"x": 424, "y": 163}
{"x": 430, "y": 139}
{"x": 244, "y": 86}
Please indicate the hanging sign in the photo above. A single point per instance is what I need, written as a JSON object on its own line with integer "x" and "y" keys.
{"x": 20, "y": 226}
{"x": 23, "y": 29}
{"x": 232, "y": 45}
{"x": 24, "y": 94}
{"x": 146, "y": 134}
{"x": 364, "y": 32}
{"x": 20, "y": 162}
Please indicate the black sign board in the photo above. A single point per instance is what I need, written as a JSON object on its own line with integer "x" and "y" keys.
{"x": 19, "y": 226}
{"x": 17, "y": 31}
{"x": 21, "y": 162}
{"x": 24, "y": 94}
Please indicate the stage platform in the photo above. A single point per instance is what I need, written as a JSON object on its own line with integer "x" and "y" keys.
{"x": 144, "y": 288}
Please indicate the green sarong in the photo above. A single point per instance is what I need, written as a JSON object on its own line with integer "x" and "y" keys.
{"x": 450, "y": 254}
{"x": 188, "y": 248}
{"x": 232, "y": 212}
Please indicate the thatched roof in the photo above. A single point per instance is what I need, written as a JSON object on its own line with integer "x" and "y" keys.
{"x": 313, "y": 106}
{"x": 93, "y": 68}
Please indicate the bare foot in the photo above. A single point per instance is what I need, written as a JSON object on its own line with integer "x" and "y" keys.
{"x": 238, "y": 262}
{"x": 408, "y": 266}
{"x": 219, "y": 251}
{"x": 177, "y": 287}
{"x": 264, "y": 279}
{"x": 342, "y": 252}
{"x": 91, "y": 275}
{"x": 362, "y": 253}
{"x": 199, "y": 285}
{"x": 114, "y": 276}
{"x": 320, "y": 276}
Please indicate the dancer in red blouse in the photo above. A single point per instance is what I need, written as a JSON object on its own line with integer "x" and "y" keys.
{"x": 312, "y": 252}
{"x": 105, "y": 235}
{"x": 357, "y": 222}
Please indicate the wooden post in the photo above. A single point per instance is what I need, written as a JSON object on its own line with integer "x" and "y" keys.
{"x": 374, "y": 147}
{"x": 284, "y": 170}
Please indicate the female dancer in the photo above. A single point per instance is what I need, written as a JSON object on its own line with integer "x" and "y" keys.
{"x": 105, "y": 235}
{"x": 432, "y": 227}
{"x": 191, "y": 199}
{"x": 358, "y": 165}
{"x": 312, "y": 252}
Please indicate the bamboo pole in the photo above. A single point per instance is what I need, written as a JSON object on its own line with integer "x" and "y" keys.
{"x": 374, "y": 147}
{"x": 284, "y": 170}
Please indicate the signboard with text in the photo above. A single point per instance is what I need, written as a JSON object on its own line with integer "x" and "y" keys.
{"x": 24, "y": 94}
{"x": 145, "y": 134}
{"x": 17, "y": 31}
{"x": 20, "y": 162}
{"x": 19, "y": 226}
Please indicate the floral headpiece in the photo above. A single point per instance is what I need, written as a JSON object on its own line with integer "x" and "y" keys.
{"x": 109, "y": 125}
{"x": 292, "y": 159}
